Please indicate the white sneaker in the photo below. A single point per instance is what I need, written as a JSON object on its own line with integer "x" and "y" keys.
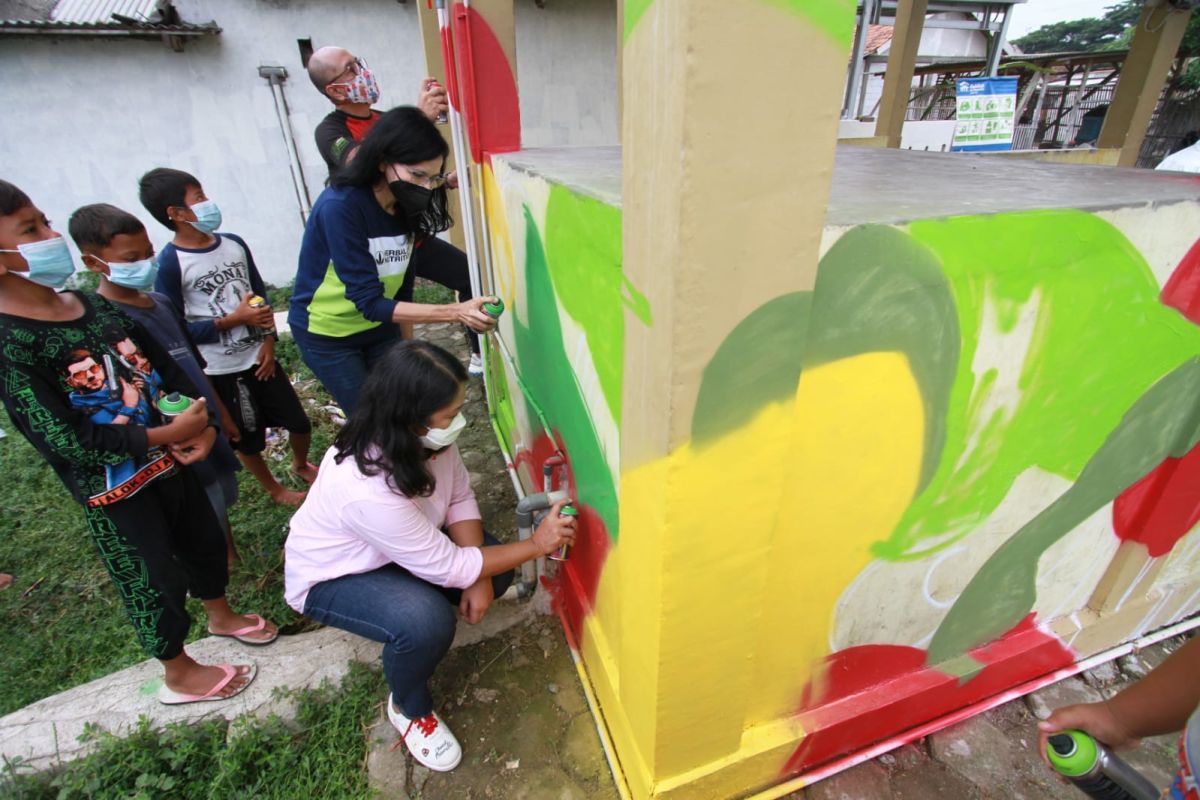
{"x": 475, "y": 368}
{"x": 429, "y": 740}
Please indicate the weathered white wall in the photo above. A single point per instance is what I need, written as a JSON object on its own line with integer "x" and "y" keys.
{"x": 92, "y": 115}
{"x": 567, "y": 71}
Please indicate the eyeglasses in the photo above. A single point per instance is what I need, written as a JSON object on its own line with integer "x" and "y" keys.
{"x": 355, "y": 67}
{"x": 421, "y": 179}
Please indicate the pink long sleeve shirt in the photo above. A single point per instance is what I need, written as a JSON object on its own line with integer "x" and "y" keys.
{"x": 352, "y": 523}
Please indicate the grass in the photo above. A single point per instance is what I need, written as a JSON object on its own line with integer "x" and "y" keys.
{"x": 320, "y": 756}
{"x": 62, "y": 624}
{"x": 72, "y": 628}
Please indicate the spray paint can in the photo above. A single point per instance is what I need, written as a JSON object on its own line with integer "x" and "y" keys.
{"x": 173, "y": 404}
{"x": 1095, "y": 770}
{"x": 495, "y": 309}
{"x": 112, "y": 381}
{"x": 256, "y": 302}
{"x": 561, "y": 553}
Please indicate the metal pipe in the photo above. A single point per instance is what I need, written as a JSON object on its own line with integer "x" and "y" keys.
{"x": 275, "y": 77}
{"x": 529, "y": 505}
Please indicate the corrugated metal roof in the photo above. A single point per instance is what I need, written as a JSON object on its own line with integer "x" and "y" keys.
{"x": 101, "y": 11}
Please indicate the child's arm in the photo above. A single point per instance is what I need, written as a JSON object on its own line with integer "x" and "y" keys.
{"x": 200, "y": 331}
{"x": 1159, "y": 703}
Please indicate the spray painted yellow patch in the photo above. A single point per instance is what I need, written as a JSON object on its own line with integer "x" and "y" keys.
{"x": 763, "y": 530}
{"x": 502, "y": 254}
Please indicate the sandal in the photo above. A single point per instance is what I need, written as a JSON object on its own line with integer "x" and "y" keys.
{"x": 169, "y": 697}
{"x": 240, "y": 633}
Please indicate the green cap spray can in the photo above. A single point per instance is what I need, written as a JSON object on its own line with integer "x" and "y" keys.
{"x": 1095, "y": 770}
{"x": 173, "y": 404}
{"x": 561, "y": 553}
{"x": 494, "y": 309}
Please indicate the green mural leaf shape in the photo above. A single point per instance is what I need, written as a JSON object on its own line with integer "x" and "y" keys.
{"x": 877, "y": 290}
{"x": 1164, "y": 422}
{"x": 758, "y": 363}
{"x": 583, "y": 253}
{"x": 1097, "y": 338}
{"x": 551, "y": 380}
{"x": 836, "y": 18}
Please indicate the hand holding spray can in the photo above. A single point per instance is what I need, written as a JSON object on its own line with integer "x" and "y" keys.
{"x": 494, "y": 310}
{"x": 256, "y": 302}
{"x": 442, "y": 117}
{"x": 561, "y": 553}
{"x": 173, "y": 404}
{"x": 1095, "y": 770}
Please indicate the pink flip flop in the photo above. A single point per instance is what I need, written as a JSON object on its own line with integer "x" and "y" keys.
{"x": 170, "y": 697}
{"x": 240, "y": 633}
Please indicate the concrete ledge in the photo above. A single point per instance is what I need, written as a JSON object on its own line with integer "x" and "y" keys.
{"x": 46, "y": 733}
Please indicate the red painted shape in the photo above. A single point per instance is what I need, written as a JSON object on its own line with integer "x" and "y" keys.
{"x": 873, "y": 692}
{"x": 451, "y": 66}
{"x": 1183, "y": 288}
{"x": 1162, "y": 507}
{"x": 489, "y": 87}
{"x": 574, "y": 588}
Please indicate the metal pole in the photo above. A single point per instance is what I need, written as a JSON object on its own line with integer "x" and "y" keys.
{"x": 854, "y": 81}
{"x": 998, "y": 41}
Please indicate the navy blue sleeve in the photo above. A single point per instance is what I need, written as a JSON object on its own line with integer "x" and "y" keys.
{"x": 256, "y": 281}
{"x": 346, "y": 234}
{"x": 169, "y": 283}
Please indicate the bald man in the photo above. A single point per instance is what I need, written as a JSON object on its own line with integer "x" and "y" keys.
{"x": 353, "y": 89}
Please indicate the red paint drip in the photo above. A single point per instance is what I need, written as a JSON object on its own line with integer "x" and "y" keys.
{"x": 874, "y": 692}
{"x": 489, "y": 86}
{"x": 1183, "y": 288}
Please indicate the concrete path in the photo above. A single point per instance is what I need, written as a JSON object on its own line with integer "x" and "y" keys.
{"x": 46, "y": 732}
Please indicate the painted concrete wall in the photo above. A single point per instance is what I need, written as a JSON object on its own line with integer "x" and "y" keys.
{"x": 93, "y": 115}
{"x": 961, "y": 462}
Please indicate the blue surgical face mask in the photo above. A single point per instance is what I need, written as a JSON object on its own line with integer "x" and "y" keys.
{"x": 138, "y": 275}
{"x": 208, "y": 216}
{"x": 49, "y": 261}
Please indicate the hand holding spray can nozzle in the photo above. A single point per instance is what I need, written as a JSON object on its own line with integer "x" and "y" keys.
{"x": 561, "y": 553}
{"x": 442, "y": 117}
{"x": 1095, "y": 770}
{"x": 494, "y": 310}
{"x": 173, "y": 404}
{"x": 257, "y": 302}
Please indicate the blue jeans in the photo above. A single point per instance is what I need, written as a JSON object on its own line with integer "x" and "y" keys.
{"x": 414, "y": 619}
{"x": 341, "y": 367}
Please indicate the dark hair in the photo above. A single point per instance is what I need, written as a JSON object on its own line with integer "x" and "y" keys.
{"x": 162, "y": 188}
{"x": 95, "y": 225}
{"x": 413, "y": 381}
{"x": 12, "y": 199}
{"x": 403, "y": 135}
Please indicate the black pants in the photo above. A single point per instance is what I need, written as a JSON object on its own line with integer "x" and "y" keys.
{"x": 158, "y": 546}
{"x": 441, "y": 262}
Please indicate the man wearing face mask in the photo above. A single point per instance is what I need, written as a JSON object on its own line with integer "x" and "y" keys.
{"x": 369, "y": 233}
{"x": 353, "y": 88}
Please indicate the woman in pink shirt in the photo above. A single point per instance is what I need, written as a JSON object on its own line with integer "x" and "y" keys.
{"x": 389, "y": 540}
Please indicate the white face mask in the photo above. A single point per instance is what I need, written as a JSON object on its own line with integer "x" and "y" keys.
{"x": 437, "y": 438}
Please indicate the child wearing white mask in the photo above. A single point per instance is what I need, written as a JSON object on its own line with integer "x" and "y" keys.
{"x": 389, "y": 542}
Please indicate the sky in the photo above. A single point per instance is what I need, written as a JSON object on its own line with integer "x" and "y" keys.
{"x": 1034, "y": 14}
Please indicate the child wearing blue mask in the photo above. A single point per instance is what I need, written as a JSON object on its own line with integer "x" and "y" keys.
{"x": 211, "y": 279}
{"x": 82, "y": 382}
{"x": 115, "y": 246}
